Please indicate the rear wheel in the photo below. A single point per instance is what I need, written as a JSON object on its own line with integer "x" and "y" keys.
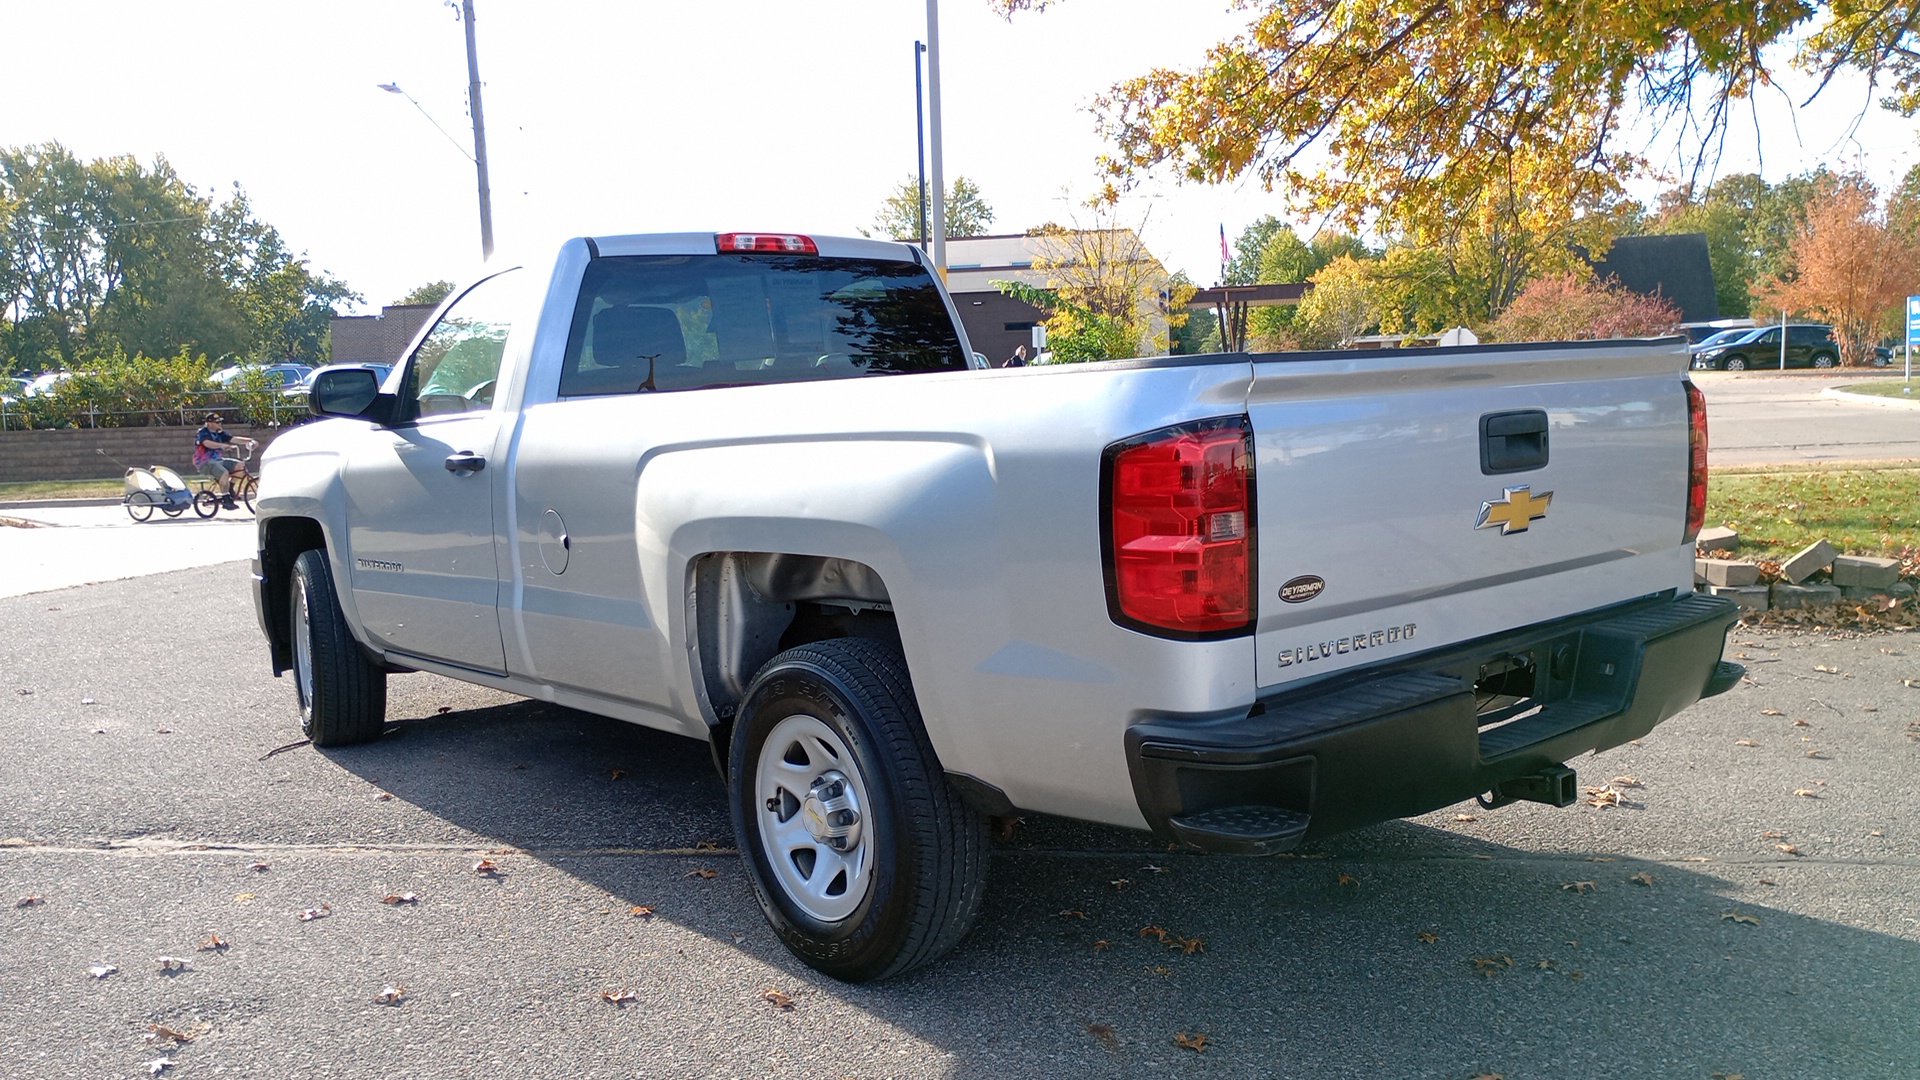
{"x": 1823, "y": 360}
{"x": 139, "y": 506}
{"x": 866, "y": 863}
{"x": 206, "y": 503}
{"x": 1736, "y": 363}
{"x": 342, "y": 694}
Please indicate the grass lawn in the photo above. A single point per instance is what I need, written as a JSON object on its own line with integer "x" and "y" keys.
{"x": 1859, "y": 511}
{"x": 1893, "y": 388}
{"x": 61, "y": 489}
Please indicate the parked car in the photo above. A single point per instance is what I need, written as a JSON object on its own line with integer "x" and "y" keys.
{"x": 284, "y": 374}
{"x": 43, "y": 383}
{"x": 756, "y": 490}
{"x": 1699, "y": 333}
{"x": 1720, "y": 338}
{"x": 299, "y": 389}
{"x": 1808, "y": 345}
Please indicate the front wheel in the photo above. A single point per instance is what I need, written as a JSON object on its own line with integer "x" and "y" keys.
{"x": 342, "y": 694}
{"x": 866, "y": 863}
{"x": 206, "y": 503}
{"x": 1736, "y": 363}
{"x": 246, "y": 487}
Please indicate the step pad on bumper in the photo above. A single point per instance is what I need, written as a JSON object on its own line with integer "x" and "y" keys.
{"x": 1242, "y": 830}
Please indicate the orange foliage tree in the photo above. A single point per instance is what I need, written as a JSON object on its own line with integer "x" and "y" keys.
{"x": 1847, "y": 267}
{"x": 1576, "y": 306}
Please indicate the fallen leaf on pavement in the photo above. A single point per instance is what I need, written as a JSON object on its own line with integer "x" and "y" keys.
{"x": 777, "y": 999}
{"x": 1188, "y": 945}
{"x": 618, "y": 997}
{"x": 214, "y": 943}
{"x": 158, "y": 1066}
{"x": 1806, "y": 793}
{"x": 1102, "y": 943}
{"x": 161, "y": 1031}
{"x": 390, "y": 995}
{"x": 30, "y": 901}
{"x": 1153, "y": 931}
{"x": 101, "y": 971}
{"x": 1196, "y": 1042}
{"x": 1745, "y": 742}
{"x": 1825, "y": 669}
{"x": 1465, "y": 817}
{"x": 400, "y": 898}
{"x": 1427, "y": 936}
{"x": 1789, "y": 849}
{"x": 1120, "y": 883}
{"x": 171, "y": 963}
{"x": 1491, "y": 965}
{"x": 1103, "y": 1032}
{"x": 259, "y": 867}
{"x": 1770, "y": 712}
{"x": 641, "y": 911}
{"x": 313, "y": 913}
{"x": 485, "y": 866}
{"x": 1627, "y": 782}
{"x": 1073, "y": 913}
{"x": 1346, "y": 879}
{"x": 1578, "y": 886}
{"x": 1739, "y": 917}
{"x": 703, "y": 873}
{"x": 1642, "y": 878}
{"x": 1773, "y": 834}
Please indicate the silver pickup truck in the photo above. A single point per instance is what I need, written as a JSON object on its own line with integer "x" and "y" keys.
{"x": 756, "y": 489}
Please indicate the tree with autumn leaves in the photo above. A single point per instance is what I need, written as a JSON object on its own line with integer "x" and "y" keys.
{"x": 1848, "y": 267}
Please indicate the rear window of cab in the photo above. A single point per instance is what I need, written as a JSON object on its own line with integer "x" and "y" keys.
{"x": 650, "y": 323}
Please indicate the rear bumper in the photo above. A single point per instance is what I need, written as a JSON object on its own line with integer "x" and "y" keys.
{"x": 1402, "y": 739}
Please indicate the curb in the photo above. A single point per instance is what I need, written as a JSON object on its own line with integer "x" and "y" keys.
{"x": 41, "y": 504}
{"x": 1870, "y": 399}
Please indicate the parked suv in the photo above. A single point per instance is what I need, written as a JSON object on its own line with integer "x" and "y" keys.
{"x": 1808, "y": 345}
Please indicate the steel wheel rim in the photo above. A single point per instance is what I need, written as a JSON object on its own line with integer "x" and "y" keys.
{"x": 302, "y": 650}
{"x": 822, "y": 860}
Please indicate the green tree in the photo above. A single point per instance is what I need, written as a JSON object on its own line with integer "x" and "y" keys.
{"x": 899, "y": 217}
{"x": 1343, "y": 304}
{"x": 431, "y": 293}
{"x": 1244, "y": 267}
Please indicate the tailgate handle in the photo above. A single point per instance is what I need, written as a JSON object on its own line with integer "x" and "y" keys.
{"x": 1513, "y": 441}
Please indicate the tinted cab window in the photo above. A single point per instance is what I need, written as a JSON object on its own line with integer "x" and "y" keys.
{"x": 651, "y": 323}
{"x": 456, "y": 365}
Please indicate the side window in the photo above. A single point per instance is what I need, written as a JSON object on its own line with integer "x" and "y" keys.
{"x": 455, "y": 367}
{"x": 1771, "y": 337}
{"x": 1805, "y": 335}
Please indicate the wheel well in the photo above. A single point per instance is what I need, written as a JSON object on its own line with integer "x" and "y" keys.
{"x": 284, "y": 540}
{"x": 746, "y": 607}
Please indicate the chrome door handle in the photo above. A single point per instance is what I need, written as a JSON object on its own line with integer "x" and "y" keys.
{"x": 466, "y": 461}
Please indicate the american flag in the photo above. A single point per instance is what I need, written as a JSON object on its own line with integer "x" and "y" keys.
{"x": 1225, "y": 258}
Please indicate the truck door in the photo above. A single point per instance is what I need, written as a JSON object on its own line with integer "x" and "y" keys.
{"x": 422, "y": 492}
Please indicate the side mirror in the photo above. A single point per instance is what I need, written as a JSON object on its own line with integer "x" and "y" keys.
{"x": 353, "y": 392}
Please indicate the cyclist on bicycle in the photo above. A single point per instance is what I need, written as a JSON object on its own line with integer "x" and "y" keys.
{"x": 209, "y": 444}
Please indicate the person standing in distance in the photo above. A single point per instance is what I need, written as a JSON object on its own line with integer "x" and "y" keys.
{"x": 1018, "y": 359}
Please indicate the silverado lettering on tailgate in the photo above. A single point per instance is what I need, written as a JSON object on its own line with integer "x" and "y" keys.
{"x": 1366, "y": 639}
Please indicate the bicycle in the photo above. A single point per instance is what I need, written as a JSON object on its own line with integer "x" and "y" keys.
{"x": 207, "y": 500}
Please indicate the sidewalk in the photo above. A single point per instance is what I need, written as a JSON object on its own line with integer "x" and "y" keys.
{"x": 78, "y": 542}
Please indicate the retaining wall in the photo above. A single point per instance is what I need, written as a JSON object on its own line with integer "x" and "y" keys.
{"x": 69, "y": 454}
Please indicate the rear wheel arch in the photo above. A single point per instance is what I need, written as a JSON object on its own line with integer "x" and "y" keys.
{"x": 746, "y": 607}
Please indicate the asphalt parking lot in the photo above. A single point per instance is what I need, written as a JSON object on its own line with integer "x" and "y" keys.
{"x": 1672, "y": 935}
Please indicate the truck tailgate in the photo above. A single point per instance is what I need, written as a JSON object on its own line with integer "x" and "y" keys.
{"x": 1413, "y": 499}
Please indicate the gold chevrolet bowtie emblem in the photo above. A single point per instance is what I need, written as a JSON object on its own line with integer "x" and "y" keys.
{"x": 1514, "y": 511}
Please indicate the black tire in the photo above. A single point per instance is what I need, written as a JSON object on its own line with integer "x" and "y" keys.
{"x": 206, "y": 503}
{"x": 342, "y": 694}
{"x": 918, "y": 852}
{"x": 140, "y": 506}
{"x": 1823, "y": 360}
{"x": 246, "y": 489}
{"x": 172, "y": 511}
{"x": 1735, "y": 363}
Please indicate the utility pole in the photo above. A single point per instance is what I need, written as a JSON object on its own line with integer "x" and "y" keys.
{"x": 479, "y": 133}
{"x": 920, "y": 141}
{"x": 933, "y": 108}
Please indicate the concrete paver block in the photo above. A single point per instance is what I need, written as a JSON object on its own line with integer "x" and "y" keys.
{"x": 1726, "y": 572}
{"x": 1899, "y": 590}
{"x": 1788, "y": 597}
{"x": 1860, "y": 570}
{"x": 1719, "y": 538}
{"x": 1810, "y": 560}
{"x": 1745, "y": 597}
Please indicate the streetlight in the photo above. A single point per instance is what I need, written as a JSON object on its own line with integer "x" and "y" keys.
{"x": 479, "y": 155}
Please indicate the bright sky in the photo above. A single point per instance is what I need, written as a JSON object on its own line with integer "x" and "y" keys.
{"x": 606, "y": 116}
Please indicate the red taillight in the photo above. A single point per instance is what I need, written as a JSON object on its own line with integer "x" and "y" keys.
{"x": 1179, "y": 530}
{"x": 736, "y": 243}
{"x": 1696, "y": 462}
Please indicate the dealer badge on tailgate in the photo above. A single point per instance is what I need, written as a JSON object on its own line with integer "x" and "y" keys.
{"x": 1514, "y": 511}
